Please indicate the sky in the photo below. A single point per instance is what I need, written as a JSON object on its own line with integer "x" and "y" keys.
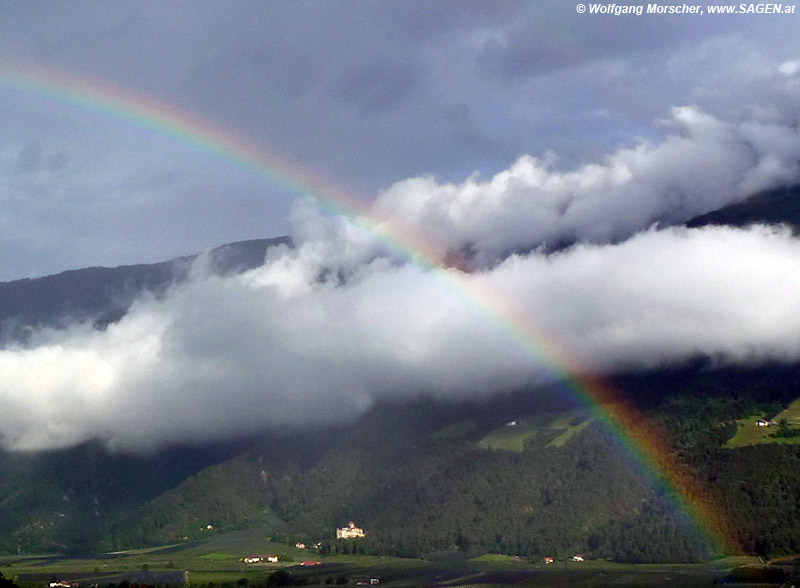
{"x": 549, "y": 155}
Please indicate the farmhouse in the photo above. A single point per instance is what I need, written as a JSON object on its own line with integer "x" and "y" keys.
{"x": 349, "y": 532}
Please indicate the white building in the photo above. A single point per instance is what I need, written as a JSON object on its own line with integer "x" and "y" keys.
{"x": 349, "y": 532}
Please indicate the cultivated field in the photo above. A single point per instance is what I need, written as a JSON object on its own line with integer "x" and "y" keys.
{"x": 216, "y": 561}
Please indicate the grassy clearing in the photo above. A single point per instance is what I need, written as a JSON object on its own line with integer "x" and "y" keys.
{"x": 563, "y": 420}
{"x": 497, "y": 557}
{"x": 570, "y": 422}
{"x": 791, "y": 414}
{"x": 509, "y": 437}
{"x": 554, "y": 430}
{"x": 455, "y": 431}
{"x": 562, "y": 439}
{"x": 218, "y": 556}
{"x": 747, "y": 433}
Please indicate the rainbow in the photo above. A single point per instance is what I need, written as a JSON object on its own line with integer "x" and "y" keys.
{"x": 629, "y": 427}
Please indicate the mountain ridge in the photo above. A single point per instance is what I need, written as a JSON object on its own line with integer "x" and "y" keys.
{"x": 104, "y": 294}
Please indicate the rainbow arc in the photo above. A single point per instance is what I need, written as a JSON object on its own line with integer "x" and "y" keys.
{"x": 648, "y": 447}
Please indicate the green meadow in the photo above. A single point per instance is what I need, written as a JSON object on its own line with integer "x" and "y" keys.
{"x": 747, "y": 433}
{"x": 509, "y": 437}
{"x": 551, "y": 430}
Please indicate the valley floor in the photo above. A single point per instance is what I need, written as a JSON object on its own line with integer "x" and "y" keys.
{"x": 219, "y": 562}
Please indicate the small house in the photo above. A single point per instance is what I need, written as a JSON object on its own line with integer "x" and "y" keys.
{"x": 548, "y": 560}
{"x": 577, "y": 557}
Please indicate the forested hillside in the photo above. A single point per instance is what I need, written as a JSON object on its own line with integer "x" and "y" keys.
{"x": 418, "y": 491}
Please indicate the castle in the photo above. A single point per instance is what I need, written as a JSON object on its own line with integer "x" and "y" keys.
{"x": 349, "y": 532}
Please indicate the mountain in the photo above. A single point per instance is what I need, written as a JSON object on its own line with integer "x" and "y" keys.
{"x": 527, "y": 472}
{"x": 779, "y": 206}
{"x": 103, "y": 295}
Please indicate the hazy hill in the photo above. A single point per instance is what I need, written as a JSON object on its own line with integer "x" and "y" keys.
{"x": 103, "y": 294}
{"x": 774, "y": 206}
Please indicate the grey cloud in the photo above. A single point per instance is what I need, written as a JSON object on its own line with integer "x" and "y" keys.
{"x": 379, "y": 86}
{"x": 547, "y": 36}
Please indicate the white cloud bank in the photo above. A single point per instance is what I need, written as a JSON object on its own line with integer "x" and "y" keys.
{"x": 223, "y": 356}
{"x": 705, "y": 163}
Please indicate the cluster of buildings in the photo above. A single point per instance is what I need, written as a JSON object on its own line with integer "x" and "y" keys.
{"x": 254, "y": 559}
{"x": 576, "y": 557}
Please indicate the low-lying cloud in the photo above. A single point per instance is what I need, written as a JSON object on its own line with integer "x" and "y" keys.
{"x": 283, "y": 346}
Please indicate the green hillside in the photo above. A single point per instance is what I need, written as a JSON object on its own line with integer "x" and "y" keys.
{"x": 784, "y": 428}
{"x": 419, "y": 478}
